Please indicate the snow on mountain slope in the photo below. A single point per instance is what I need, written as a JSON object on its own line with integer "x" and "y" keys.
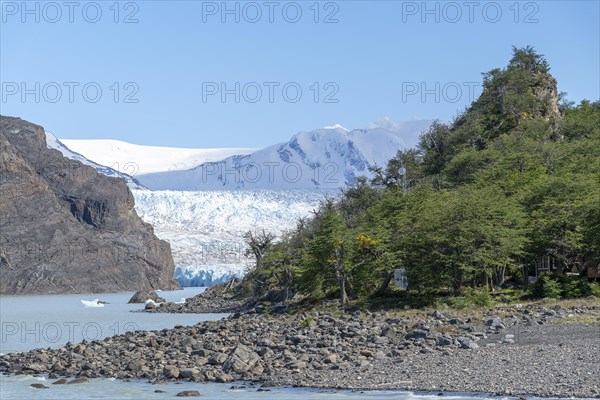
{"x": 327, "y": 158}
{"x": 205, "y": 229}
{"x": 147, "y": 159}
{"x": 52, "y": 142}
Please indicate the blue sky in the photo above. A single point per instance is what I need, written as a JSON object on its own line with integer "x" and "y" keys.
{"x": 156, "y": 75}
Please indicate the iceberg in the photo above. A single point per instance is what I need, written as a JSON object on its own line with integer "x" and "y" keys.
{"x": 92, "y": 303}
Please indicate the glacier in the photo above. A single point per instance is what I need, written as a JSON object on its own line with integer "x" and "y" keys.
{"x": 205, "y": 229}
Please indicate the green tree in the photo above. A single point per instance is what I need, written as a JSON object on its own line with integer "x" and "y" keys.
{"x": 326, "y": 262}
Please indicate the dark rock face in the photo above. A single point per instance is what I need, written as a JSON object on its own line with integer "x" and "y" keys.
{"x": 64, "y": 228}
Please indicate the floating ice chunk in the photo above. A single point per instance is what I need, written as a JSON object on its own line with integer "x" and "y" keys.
{"x": 92, "y": 303}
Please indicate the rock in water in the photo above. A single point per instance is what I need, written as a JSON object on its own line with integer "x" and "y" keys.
{"x": 66, "y": 228}
{"x": 142, "y": 295}
{"x": 78, "y": 381}
{"x": 39, "y": 386}
{"x": 188, "y": 393}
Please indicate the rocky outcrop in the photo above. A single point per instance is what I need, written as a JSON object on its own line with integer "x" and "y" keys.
{"x": 218, "y": 298}
{"x": 141, "y": 296}
{"x": 64, "y": 228}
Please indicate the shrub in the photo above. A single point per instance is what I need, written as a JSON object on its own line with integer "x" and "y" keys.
{"x": 561, "y": 286}
{"x": 473, "y": 297}
{"x": 546, "y": 286}
{"x": 595, "y": 289}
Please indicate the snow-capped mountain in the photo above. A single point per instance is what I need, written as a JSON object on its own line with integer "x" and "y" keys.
{"x": 327, "y": 158}
{"x": 205, "y": 229}
{"x": 52, "y": 142}
{"x": 140, "y": 159}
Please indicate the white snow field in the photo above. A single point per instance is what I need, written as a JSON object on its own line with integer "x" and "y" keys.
{"x": 136, "y": 159}
{"x": 52, "y": 142}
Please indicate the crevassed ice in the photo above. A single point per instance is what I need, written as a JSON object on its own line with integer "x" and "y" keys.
{"x": 205, "y": 229}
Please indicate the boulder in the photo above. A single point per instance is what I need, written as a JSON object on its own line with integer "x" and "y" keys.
{"x": 171, "y": 371}
{"x": 466, "y": 343}
{"x": 141, "y": 296}
{"x": 188, "y": 372}
{"x": 39, "y": 386}
{"x": 188, "y": 393}
{"x": 444, "y": 340}
{"x": 241, "y": 359}
{"x": 416, "y": 334}
{"x": 78, "y": 380}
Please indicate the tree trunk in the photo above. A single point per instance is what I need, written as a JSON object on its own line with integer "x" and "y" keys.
{"x": 349, "y": 289}
{"x": 384, "y": 285}
{"x": 287, "y": 284}
{"x": 342, "y": 285}
{"x": 499, "y": 275}
{"x": 458, "y": 281}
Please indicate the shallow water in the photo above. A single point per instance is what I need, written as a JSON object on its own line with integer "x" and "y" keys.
{"x": 52, "y": 321}
{"x": 18, "y": 387}
{"x": 29, "y": 322}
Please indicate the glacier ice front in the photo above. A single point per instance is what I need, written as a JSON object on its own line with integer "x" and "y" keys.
{"x": 206, "y": 229}
{"x": 208, "y": 275}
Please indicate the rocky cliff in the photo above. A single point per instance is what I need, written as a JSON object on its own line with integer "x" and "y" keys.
{"x": 64, "y": 228}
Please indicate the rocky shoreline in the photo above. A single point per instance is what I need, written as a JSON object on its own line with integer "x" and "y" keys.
{"x": 510, "y": 351}
{"x": 215, "y": 299}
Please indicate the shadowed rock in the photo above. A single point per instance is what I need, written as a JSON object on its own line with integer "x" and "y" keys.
{"x": 142, "y": 295}
{"x": 65, "y": 228}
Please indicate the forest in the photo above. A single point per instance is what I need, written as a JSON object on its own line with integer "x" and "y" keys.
{"x": 508, "y": 190}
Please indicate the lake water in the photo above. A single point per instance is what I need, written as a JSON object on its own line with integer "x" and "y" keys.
{"x": 29, "y": 322}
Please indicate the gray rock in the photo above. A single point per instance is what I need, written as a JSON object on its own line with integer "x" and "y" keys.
{"x": 78, "y": 381}
{"x": 330, "y": 359}
{"x": 444, "y": 340}
{"x": 51, "y": 203}
{"x": 188, "y": 393}
{"x": 142, "y": 295}
{"x": 39, "y": 386}
{"x": 188, "y": 373}
{"x": 171, "y": 371}
{"x": 416, "y": 334}
{"x": 242, "y": 359}
{"x": 467, "y": 343}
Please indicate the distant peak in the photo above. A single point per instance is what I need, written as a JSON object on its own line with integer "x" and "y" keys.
{"x": 336, "y": 126}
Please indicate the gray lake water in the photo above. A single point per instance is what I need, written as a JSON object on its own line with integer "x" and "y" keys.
{"x": 29, "y": 322}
